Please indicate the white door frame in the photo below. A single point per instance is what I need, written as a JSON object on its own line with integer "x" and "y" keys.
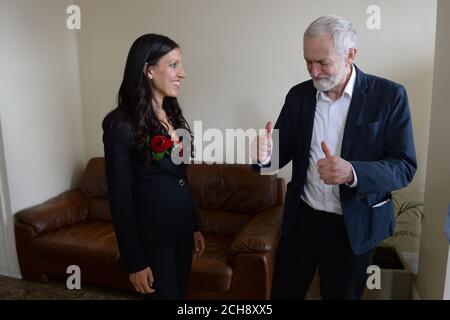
{"x": 447, "y": 274}
{"x": 447, "y": 278}
{"x": 8, "y": 250}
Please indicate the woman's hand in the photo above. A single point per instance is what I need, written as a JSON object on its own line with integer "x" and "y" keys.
{"x": 142, "y": 280}
{"x": 199, "y": 244}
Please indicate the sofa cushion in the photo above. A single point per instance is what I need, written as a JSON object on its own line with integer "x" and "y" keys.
{"x": 99, "y": 209}
{"x": 93, "y": 184}
{"x": 211, "y": 270}
{"x": 93, "y": 181}
{"x": 88, "y": 243}
{"x": 219, "y": 221}
{"x": 232, "y": 188}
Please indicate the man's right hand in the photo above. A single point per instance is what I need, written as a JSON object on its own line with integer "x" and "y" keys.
{"x": 261, "y": 146}
{"x": 142, "y": 280}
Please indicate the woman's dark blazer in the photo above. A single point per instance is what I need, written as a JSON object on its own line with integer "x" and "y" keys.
{"x": 149, "y": 204}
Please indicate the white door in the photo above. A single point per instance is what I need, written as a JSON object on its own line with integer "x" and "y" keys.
{"x": 447, "y": 274}
{"x": 8, "y": 257}
{"x": 447, "y": 278}
{"x": 4, "y": 269}
{"x": 3, "y": 260}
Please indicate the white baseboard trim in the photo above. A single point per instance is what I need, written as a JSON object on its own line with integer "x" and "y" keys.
{"x": 7, "y": 273}
{"x": 412, "y": 258}
{"x": 415, "y": 292}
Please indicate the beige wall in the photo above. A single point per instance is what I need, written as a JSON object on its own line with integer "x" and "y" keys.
{"x": 434, "y": 245}
{"x": 40, "y": 110}
{"x": 242, "y": 57}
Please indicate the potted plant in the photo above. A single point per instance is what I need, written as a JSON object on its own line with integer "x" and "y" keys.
{"x": 396, "y": 276}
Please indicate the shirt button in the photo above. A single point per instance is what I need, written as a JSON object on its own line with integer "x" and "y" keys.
{"x": 181, "y": 182}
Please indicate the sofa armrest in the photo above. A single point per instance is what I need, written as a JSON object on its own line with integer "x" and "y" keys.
{"x": 68, "y": 208}
{"x": 260, "y": 233}
{"x": 281, "y": 191}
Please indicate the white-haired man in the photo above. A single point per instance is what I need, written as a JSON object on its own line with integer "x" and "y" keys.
{"x": 349, "y": 137}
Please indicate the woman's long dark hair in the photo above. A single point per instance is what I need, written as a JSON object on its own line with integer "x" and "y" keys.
{"x": 136, "y": 94}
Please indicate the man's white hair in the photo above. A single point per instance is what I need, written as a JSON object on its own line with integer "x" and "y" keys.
{"x": 340, "y": 29}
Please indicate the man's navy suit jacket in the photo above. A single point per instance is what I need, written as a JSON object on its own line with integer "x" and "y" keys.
{"x": 378, "y": 142}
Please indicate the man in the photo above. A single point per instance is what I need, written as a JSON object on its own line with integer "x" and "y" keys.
{"x": 349, "y": 136}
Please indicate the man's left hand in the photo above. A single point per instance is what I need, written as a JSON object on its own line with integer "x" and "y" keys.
{"x": 334, "y": 170}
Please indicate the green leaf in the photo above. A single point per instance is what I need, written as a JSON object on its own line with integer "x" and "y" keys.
{"x": 412, "y": 209}
{"x": 158, "y": 155}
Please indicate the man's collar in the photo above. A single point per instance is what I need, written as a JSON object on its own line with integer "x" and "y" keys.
{"x": 351, "y": 83}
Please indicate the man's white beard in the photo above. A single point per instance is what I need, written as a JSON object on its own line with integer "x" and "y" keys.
{"x": 329, "y": 83}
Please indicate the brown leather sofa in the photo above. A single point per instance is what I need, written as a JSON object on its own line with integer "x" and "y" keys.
{"x": 240, "y": 213}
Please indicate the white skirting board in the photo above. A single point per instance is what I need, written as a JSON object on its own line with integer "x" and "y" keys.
{"x": 412, "y": 258}
{"x": 7, "y": 273}
{"x": 447, "y": 278}
{"x": 415, "y": 292}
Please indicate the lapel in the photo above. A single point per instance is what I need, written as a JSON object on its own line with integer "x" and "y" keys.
{"x": 356, "y": 105}
{"x": 304, "y": 126}
{"x": 308, "y": 113}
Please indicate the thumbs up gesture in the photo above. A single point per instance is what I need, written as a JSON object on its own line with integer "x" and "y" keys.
{"x": 261, "y": 146}
{"x": 334, "y": 170}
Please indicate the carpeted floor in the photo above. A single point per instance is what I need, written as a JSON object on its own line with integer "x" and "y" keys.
{"x": 18, "y": 289}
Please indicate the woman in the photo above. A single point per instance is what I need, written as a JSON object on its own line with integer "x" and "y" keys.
{"x": 152, "y": 209}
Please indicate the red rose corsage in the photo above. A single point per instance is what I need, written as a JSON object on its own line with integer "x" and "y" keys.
{"x": 160, "y": 146}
